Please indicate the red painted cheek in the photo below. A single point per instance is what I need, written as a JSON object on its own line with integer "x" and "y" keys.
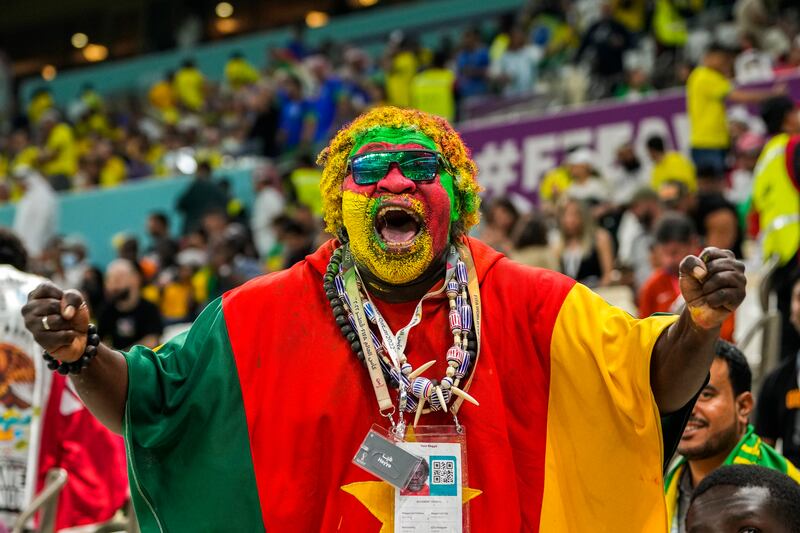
{"x": 437, "y": 212}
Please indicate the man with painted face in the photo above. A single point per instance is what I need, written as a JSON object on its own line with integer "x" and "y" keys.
{"x": 250, "y": 421}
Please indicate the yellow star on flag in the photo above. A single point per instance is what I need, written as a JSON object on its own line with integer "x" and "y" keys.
{"x": 378, "y": 498}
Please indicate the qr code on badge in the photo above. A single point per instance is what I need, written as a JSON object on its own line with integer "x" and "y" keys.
{"x": 443, "y": 472}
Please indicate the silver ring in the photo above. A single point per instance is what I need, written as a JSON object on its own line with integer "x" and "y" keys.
{"x": 45, "y": 325}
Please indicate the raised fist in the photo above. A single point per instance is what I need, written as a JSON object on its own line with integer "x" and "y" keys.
{"x": 58, "y": 320}
{"x": 713, "y": 286}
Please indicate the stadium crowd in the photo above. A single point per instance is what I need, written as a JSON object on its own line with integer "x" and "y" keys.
{"x": 624, "y": 232}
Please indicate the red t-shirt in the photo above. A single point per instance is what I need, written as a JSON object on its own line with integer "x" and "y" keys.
{"x": 661, "y": 293}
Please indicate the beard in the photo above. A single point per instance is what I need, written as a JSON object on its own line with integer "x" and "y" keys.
{"x": 716, "y": 444}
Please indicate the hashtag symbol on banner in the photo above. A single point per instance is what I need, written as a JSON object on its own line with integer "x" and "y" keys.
{"x": 497, "y": 165}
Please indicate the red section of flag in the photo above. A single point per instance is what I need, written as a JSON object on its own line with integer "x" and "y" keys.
{"x": 309, "y": 402}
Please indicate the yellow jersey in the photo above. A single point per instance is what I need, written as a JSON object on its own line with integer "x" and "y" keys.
{"x": 189, "y": 85}
{"x": 61, "y": 141}
{"x": 706, "y": 90}
{"x": 554, "y": 183}
{"x": 674, "y": 166}
{"x": 432, "y": 92}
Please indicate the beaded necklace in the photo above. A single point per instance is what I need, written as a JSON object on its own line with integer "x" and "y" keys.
{"x": 414, "y": 390}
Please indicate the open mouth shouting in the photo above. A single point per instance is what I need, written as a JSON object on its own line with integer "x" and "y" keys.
{"x": 397, "y": 227}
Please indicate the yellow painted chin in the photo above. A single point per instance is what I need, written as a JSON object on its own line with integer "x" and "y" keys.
{"x": 369, "y": 251}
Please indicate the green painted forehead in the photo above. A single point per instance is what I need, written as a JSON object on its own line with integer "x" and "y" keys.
{"x": 392, "y": 135}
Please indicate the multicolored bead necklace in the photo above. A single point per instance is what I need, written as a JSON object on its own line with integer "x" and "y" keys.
{"x": 414, "y": 390}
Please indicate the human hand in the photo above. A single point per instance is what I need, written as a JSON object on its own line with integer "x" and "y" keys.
{"x": 59, "y": 321}
{"x": 713, "y": 286}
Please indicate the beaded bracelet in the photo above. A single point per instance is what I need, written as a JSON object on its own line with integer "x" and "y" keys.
{"x": 75, "y": 367}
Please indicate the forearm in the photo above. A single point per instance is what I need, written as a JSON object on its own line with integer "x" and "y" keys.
{"x": 681, "y": 358}
{"x": 749, "y": 96}
{"x": 103, "y": 387}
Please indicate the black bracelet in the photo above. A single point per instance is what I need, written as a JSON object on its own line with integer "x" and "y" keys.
{"x": 75, "y": 367}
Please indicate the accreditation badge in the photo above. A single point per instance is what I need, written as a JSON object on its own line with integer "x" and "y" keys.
{"x": 793, "y": 399}
{"x": 433, "y": 500}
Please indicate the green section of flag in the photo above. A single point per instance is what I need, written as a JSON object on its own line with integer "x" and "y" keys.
{"x": 189, "y": 459}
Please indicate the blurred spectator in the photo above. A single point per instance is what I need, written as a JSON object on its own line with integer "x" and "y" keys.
{"x": 58, "y": 156}
{"x": 267, "y": 206}
{"x": 401, "y": 67}
{"x": 327, "y": 100}
{"x": 75, "y": 263}
{"x": 472, "y": 65}
{"x": 161, "y": 242}
{"x": 675, "y": 196}
{"x": 128, "y": 319}
{"x": 603, "y": 47}
{"x": 554, "y": 183}
{"x": 627, "y": 176}
{"x": 239, "y": 72}
{"x": 112, "y": 167}
{"x": 630, "y": 13}
{"x": 45, "y": 424}
{"x": 716, "y": 219}
{"x": 41, "y": 101}
{"x": 636, "y": 84}
{"x": 675, "y": 239}
{"x": 531, "y": 246}
{"x": 707, "y": 90}
{"x": 201, "y": 196}
{"x": 305, "y": 179}
{"x": 297, "y": 123}
{"x": 36, "y": 215}
{"x": 162, "y": 94}
{"x": 669, "y": 166}
{"x": 189, "y": 85}
{"x": 433, "y": 89}
{"x": 775, "y": 201}
{"x": 177, "y": 298}
{"x": 635, "y": 234}
{"x": 20, "y": 152}
{"x": 752, "y": 65}
{"x": 501, "y": 220}
{"x": 297, "y": 242}
{"x": 586, "y": 184}
{"x": 748, "y": 147}
{"x": 135, "y": 155}
{"x": 517, "y": 69}
{"x": 719, "y": 433}
{"x": 778, "y": 407}
{"x": 791, "y": 63}
{"x": 264, "y": 128}
{"x": 586, "y": 252}
{"x": 746, "y": 498}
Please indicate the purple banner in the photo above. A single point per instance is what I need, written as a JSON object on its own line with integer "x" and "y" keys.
{"x": 513, "y": 153}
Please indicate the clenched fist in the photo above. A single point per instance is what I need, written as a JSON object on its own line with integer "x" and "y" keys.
{"x": 59, "y": 321}
{"x": 713, "y": 286}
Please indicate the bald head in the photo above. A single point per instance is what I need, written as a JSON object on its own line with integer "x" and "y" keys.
{"x": 122, "y": 283}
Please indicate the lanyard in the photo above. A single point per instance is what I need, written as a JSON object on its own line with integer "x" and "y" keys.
{"x": 396, "y": 344}
{"x": 365, "y": 338}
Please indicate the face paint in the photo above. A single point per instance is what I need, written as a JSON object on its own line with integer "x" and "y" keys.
{"x": 397, "y": 227}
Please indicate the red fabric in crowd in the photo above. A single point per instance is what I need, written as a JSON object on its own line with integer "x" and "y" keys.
{"x": 93, "y": 456}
